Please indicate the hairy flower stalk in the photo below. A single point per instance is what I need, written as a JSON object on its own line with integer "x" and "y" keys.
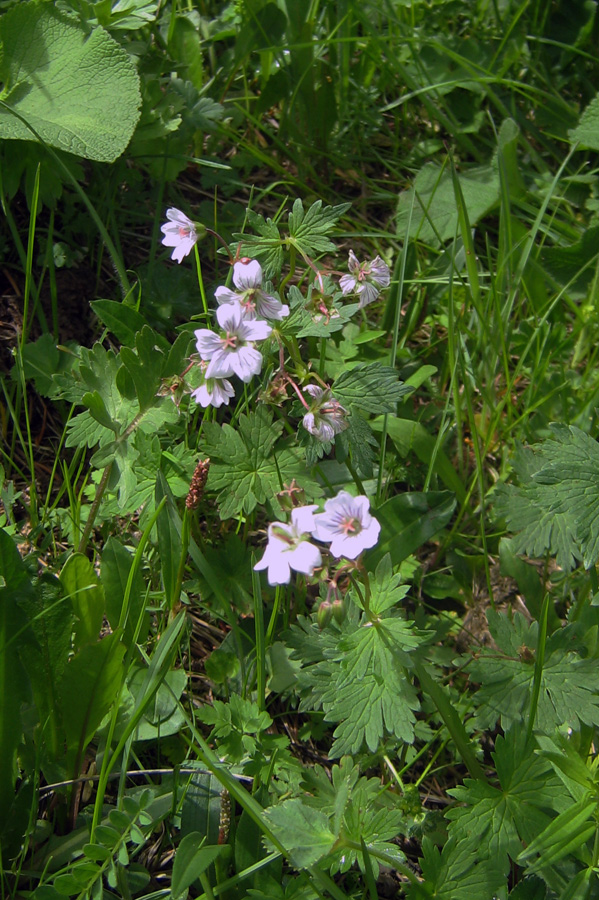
{"x": 365, "y": 279}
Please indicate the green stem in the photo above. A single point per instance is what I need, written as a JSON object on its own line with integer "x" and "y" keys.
{"x": 539, "y": 663}
{"x": 451, "y": 720}
{"x": 94, "y": 509}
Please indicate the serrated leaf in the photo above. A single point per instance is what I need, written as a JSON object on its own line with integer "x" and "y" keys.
{"x": 62, "y": 80}
{"x": 556, "y": 507}
{"x": 308, "y": 230}
{"x": 368, "y": 708}
{"x": 455, "y": 873}
{"x": 567, "y": 695}
{"x": 245, "y": 466}
{"x": 359, "y": 441}
{"x": 500, "y": 820}
{"x": 303, "y": 830}
{"x": 372, "y": 387}
{"x": 587, "y": 130}
{"x": 267, "y": 245}
{"x": 145, "y": 366}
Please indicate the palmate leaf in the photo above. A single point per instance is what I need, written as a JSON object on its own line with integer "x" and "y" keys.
{"x": 568, "y": 696}
{"x": 368, "y": 708}
{"x": 556, "y": 506}
{"x": 266, "y": 245}
{"x": 455, "y": 873}
{"x": 309, "y": 230}
{"x": 371, "y": 387}
{"x": 499, "y": 821}
{"x": 245, "y": 466}
{"x": 357, "y": 672}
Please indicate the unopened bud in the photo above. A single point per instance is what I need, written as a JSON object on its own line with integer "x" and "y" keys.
{"x": 339, "y": 610}
{"x": 324, "y": 614}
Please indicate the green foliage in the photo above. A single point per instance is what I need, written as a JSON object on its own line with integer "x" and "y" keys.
{"x": 567, "y": 697}
{"x": 356, "y": 673}
{"x": 555, "y": 508}
{"x": 247, "y": 467}
{"x": 61, "y": 81}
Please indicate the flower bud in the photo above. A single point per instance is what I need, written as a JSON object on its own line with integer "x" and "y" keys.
{"x": 339, "y": 610}
{"x": 324, "y": 614}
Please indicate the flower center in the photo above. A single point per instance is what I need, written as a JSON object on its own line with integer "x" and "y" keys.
{"x": 350, "y": 526}
{"x": 229, "y": 342}
{"x": 184, "y": 231}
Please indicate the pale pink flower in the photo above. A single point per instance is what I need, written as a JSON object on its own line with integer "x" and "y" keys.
{"x": 347, "y": 524}
{"x": 326, "y": 417}
{"x": 232, "y": 353}
{"x": 247, "y": 278}
{"x": 366, "y": 279}
{"x": 179, "y": 232}
{"x": 214, "y": 392}
{"x": 289, "y": 548}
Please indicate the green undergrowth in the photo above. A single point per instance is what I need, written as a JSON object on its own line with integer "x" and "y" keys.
{"x": 298, "y": 595}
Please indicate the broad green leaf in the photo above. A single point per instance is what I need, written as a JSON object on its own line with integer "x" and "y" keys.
{"x": 13, "y": 677}
{"x": 88, "y": 688}
{"x": 63, "y": 81}
{"x": 305, "y": 831}
{"x": 246, "y": 468}
{"x": 497, "y": 820}
{"x": 121, "y": 587}
{"x": 145, "y": 366}
{"x": 170, "y": 543}
{"x": 567, "y": 694}
{"x": 587, "y": 130}
{"x": 82, "y": 587}
{"x": 408, "y": 521}
{"x": 371, "y": 387}
{"x": 368, "y": 708}
{"x": 191, "y": 860}
{"x": 162, "y": 716}
{"x": 201, "y": 808}
{"x": 555, "y": 508}
{"x": 456, "y": 873}
{"x": 122, "y": 320}
{"x": 52, "y": 621}
{"x": 432, "y": 213}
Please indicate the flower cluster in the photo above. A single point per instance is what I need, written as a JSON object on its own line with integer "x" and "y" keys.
{"x": 240, "y": 315}
{"x": 346, "y": 525}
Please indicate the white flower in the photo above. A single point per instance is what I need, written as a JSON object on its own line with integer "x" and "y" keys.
{"x": 346, "y": 522}
{"x": 179, "y": 232}
{"x": 232, "y": 353}
{"x": 326, "y": 416}
{"x": 289, "y": 548}
{"x": 214, "y": 392}
{"x": 366, "y": 278}
{"x": 247, "y": 278}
